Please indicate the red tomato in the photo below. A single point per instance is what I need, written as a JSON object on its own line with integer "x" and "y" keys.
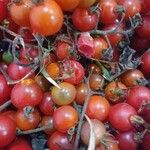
{"x": 26, "y": 93}
{"x": 145, "y": 6}
{"x": 46, "y": 22}
{"x": 146, "y": 143}
{"x": 69, "y": 5}
{"x": 83, "y": 19}
{"x": 98, "y": 108}
{"x": 108, "y": 14}
{"x": 86, "y": 3}
{"x": 3, "y": 9}
{"x": 5, "y": 90}
{"x": 119, "y": 116}
{"x": 10, "y": 114}
{"x": 65, "y": 117}
{"x": 7, "y": 131}
{"x": 73, "y": 71}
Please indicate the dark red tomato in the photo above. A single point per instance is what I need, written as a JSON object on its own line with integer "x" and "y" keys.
{"x": 98, "y": 108}
{"x": 20, "y": 144}
{"x": 26, "y": 93}
{"x": 64, "y": 95}
{"x": 143, "y": 31}
{"x": 7, "y": 131}
{"x": 28, "y": 53}
{"x": 119, "y": 116}
{"x": 145, "y": 6}
{"x": 86, "y": 3}
{"x": 82, "y": 91}
{"x": 138, "y": 96}
{"x": 3, "y": 9}
{"x": 10, "y": 114}
{"x": 146, "y": 141}
{"x": 27, "y": 120}
{"x": 47, "y": 121}
{"x": 24, "y": 7}
{"x": 65, "y": 117}
{"x": 47, "y": 105}
{"x": 46, "y": 22}
{"x": 108, "y": 14}
{"x": 132, "y": 7}
{"x": 94, "y": 68}
{"x": 69, "y": 5}
{"x": 83, "y": 19}
{"x": 62, "y": 50}
{"x": 59, "y": 141}
{"x": 114, "y": 38}
{"x": 126, "y": 141}
{"x": 145, "y": 113}
{"x": 5, "y": 90}
{"x": 73, "y": 72}
{"x": 131, "y": 77}
{"x": 145, "y": 65}
{"x": 17, "y": 72}
{"x": 99, "y": 47}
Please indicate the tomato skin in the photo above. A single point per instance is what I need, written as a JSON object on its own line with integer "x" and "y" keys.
{"x": 86, "y": 3}
{"x": 7, "y": 131}
{"x": 24, "y": 9}
{"x": 132, "y": 7}
{"x": 130, "y": 78}
{"x": 10, "y": 114}
{"x": 26, "y": 93}
{"x": 126, "y": 140}
{"x": 107, "y": 11}
{"x": 119, "y": 116}
{"x": 46, "y": 22}
{"x": 75, "y": 70}
{"x": 138, "y": 96}
{"x": 3, "y": 9}
{"x": 143, "y": 30}
{"x": 65, "y": 117}
{"x": 69, "y": 5}
{"x": 145, "y": 6}
{"x": 59, "y": 141}
{"x": 29, "y": 121}
{"x": 5, "y": 90}
{"x": 98, "y": 108}
{"x": 146, "y": 143}
{"x": 83, "y": 19}
{"x": 47, "y": 105}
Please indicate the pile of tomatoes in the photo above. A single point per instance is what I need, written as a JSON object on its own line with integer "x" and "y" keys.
{"x": 75, "y": 72}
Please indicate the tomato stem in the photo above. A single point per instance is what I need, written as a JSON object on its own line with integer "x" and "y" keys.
{"x": 5, "y": 105}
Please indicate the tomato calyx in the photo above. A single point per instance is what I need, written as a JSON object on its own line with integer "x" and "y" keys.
{"x": 144, "y": 105}
{"x": 37, "y": 1}
{"x": 120, "y": 9}
{"x": 28, "y": 110}
{"x": 16, "y": 1}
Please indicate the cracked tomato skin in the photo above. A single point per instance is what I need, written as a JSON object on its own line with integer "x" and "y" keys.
{"x": 46, "y": 18}
{"x": 26, "y": 93}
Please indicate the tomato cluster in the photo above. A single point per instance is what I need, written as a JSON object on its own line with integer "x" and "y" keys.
{"x": 75, "y": 72}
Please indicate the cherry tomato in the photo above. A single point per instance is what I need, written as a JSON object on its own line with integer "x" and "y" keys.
{"x": 65, "y": 117}
{"x": 131, "y": 77}
{"x": 69, "y": 5}
{"x": 143, "y": 31}
{"x": 59, "y": 141}
{"x": 132, "y": 7}
{"x": 115, "y": 91}
{"x": 24, "y": 8}
{"x": 146, "y": 143}
{"x": 46, "y": 22}
{"x": 83, "y": 19}
{"x": 7, "y": 131}
{"x": 5, "y": 90}
{"x": 27, "y": 120}
{"x": 47, "y": 105}
{"x": 126, "y": 140}
{"x": 94, "y": 68}
{"x": 108, "y": 14}
{"x": 119, "y": 116}
{"x": 138, "y": 96}
{"x": 26, "y": 93}
{"x": 86, "y": 3}
{"x": 98, "y": 108}
{"x": 99, "y": 130}
{"x": 145, "y": 6}
{"x": 10, "y": 114}
{"x": 82, "y": 91}
{"x": 3, "y": 9}
{"x": 48, "y": 121}
{"x": 99, "y": 47}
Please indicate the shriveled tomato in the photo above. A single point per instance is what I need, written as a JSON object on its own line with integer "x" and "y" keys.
{"x": 98, "y": 108}
{"x": 83, "y": 19}
{"x": 119, "y": 116}
{"x": 46, "y": 22}
{"x": 65, "y": 117}
{"x": 7, "y": 131}
{"x": 86, "y": 3}
{"x": 69, "y": 5}
{"x": 23, "y": 7}
{"x": 27, "y": 119}
{"x": 26, "y": 93}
